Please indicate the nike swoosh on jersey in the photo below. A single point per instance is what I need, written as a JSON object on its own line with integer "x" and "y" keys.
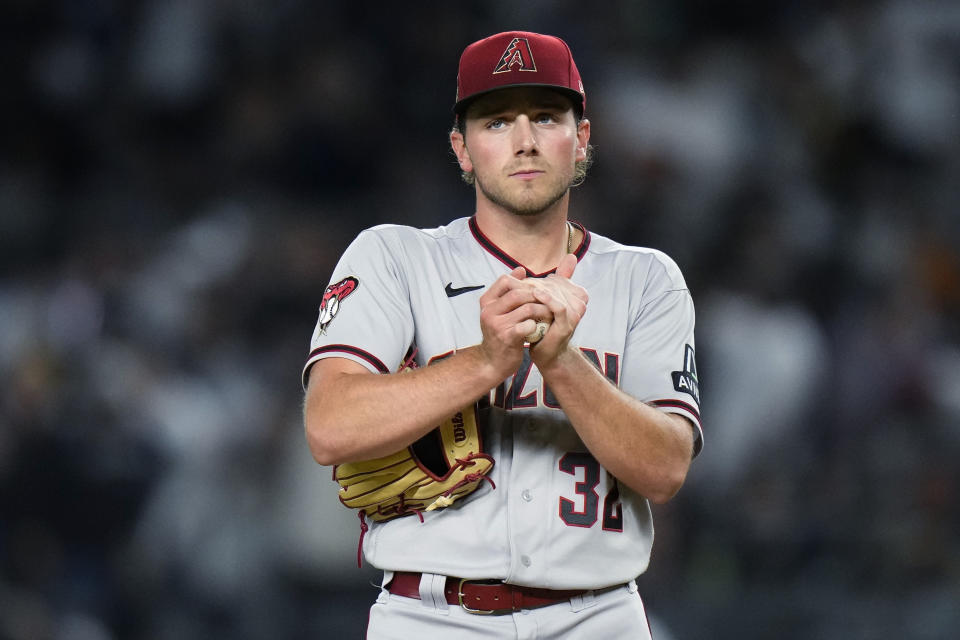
{"x": 451, "y": 291}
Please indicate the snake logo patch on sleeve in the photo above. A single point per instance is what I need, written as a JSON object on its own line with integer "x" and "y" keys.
{"x": 332, "y": 297}
{"x": 686, "y": 381}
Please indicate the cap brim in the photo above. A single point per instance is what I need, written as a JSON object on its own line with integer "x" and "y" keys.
{"x": 575, "y": 97}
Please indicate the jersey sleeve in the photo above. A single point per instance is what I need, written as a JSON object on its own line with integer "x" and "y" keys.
{"x": 365, "y": 313}
{"x": 659, "y": 360}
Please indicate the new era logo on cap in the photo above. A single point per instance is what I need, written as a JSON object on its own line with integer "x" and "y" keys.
{"x": 518, "y": 58}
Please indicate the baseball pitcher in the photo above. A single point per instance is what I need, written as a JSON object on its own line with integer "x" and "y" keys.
{"x": 502, "y": 397}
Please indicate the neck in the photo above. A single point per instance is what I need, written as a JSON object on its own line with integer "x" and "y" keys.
{"x": 538, "y": 241}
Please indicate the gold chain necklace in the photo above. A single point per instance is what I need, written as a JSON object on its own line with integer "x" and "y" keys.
{"x": 569, "y": 237}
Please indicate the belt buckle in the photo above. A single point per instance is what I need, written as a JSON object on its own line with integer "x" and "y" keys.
{"x": 463, "y": 605}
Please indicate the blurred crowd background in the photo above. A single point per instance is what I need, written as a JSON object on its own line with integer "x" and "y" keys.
{"x": 178, "y": 178}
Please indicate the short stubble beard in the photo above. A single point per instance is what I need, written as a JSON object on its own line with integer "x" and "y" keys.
{"x": 523, "y": 206}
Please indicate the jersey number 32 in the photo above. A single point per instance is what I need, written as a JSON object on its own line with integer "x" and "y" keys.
{"x": 587, "y": 490}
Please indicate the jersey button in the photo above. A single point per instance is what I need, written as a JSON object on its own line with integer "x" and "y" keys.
{"x": 525, "y": 560}
{"x": 526, "y": 495}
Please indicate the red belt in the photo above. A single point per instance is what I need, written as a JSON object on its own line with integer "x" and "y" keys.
{"x": 485, "y": 596}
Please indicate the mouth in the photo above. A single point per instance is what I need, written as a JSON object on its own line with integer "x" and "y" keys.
{"x": 526, "y": 174}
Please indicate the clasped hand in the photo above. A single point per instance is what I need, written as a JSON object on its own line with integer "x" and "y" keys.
{"x": 511, "y": 306}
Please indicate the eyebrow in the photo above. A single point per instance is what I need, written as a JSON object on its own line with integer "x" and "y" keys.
{"x": 545, "y": 102}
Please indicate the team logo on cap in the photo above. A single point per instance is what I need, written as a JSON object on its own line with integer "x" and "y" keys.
{"x": 332, "y": 297}
{"x": 517, "y": 54}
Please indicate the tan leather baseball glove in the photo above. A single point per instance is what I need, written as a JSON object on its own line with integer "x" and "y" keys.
{"x": 446, "y": 464}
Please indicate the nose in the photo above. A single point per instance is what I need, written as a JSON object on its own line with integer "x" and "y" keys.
{"x": 525, "y": 140}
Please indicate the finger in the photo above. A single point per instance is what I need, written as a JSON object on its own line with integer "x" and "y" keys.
{"x": 530, "y": 311}
{"x": 508, "y": 302}
{"x": 581, "y": 293}
{"x": 526, "y": 327}
{"x": 555, "y": 303}
{"x": 563, "y": 288}
{"x": 567, "y": 266}
{"x": 511, "y": 328}
{"x": 549, "y": 296}
{"x": 502, "y": 285}
{"x": 560, "y": 289}
{"x": 563, "y": 306}
{"x": 496, "y": 317}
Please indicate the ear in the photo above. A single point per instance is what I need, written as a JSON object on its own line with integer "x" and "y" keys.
{"x": 583, "y": 139}
{"x": 459, "y": 145}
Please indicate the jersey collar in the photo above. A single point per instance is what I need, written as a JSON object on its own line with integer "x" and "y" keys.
{"x": 503, "y": 257}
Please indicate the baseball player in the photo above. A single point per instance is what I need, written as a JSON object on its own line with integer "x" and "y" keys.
{"x": 574, "y": 353}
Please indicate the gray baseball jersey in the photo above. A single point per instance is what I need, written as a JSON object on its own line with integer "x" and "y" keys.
{"x": 556, "y": 518}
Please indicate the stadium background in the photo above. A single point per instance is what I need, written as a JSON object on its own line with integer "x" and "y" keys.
{"x": 178, "y": 177}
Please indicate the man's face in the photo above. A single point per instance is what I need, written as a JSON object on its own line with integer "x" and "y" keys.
{"x": 522, "y": 145}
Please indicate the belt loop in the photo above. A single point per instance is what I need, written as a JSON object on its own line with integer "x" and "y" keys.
{"x": 384, "y": 593}
{"x": 439, "y": 589}
{"x": 432, "y": 594}
{"x": 632, "y": 586}
{"x": 516, "y": 600}
{"x": 583, "y": 601}
{"x": 426, "y": 593}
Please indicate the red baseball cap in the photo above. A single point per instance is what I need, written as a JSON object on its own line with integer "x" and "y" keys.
{"x": 518, "y": 59}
